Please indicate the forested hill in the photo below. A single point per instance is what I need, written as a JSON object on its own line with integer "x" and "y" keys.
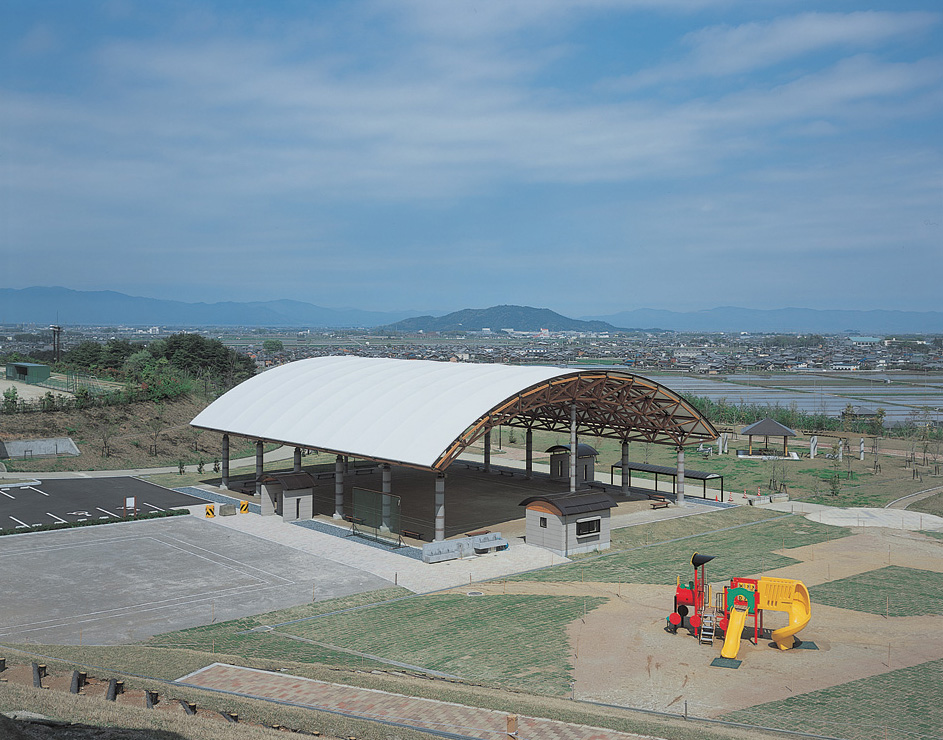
{"x": 519, "y": 318}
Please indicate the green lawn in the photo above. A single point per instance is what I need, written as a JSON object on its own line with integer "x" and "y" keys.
{"x": 899, "y": 705}
{"x": 895, "y": 591}
{"x": 742, "y": 549}
{"x": 931, "y": 505}
{"x": 476, "y": 637}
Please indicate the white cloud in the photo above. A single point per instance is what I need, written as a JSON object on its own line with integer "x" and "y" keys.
{"x": 719, "y": 51}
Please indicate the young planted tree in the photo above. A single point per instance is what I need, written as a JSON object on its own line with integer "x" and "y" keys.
{"x": 155, "y": 426}
{"x": 106, "y": 428}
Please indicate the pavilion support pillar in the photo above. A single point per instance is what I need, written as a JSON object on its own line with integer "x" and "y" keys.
{"x": 339, "y": 487}
{"x": 488, "y": 451}
{"x": 625, "y": 468}
{"x": 225, "y": 462}
{"x": 439, "y": 507}
{"x": 259, "y": 465}
{"x": 529, "y": 454}
{"x": 679, "y": 491}
{"x": 296, "y": 468}
{"x": 573, "y": 451}
{"x": 386, "y": 473}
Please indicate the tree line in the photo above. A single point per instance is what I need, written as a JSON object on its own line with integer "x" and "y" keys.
{"x": 161, "y": 370}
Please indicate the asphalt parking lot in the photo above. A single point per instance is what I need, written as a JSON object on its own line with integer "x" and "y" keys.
{"x": 61, "y": 501}
{"x": 125, "y": 581}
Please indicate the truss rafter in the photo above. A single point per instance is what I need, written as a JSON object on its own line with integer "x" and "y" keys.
{"x": 609, "y": 404}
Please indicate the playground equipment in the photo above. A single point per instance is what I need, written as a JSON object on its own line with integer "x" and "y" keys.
{"x": 729, "y": 611}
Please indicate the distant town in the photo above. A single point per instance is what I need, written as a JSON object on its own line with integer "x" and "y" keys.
{"x": 697, "y": 353}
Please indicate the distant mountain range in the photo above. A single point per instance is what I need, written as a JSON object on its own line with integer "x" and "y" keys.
{"x": 790, "y": 320}
{"x": 109, "y": 308}
{"x": 521, "y": 318}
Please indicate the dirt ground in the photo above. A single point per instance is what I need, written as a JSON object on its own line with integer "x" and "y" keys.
{"x": 623, "y": 655}
{"x": 129, "y": 443}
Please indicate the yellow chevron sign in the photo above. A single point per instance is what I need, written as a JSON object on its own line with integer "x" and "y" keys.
{"x": 210, "y": 511}
{"x": 243, "y": 507}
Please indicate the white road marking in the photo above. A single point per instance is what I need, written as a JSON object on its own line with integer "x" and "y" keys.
{"x": 8, "y": 495}
{"x": 37, "y": 490}
{"x": 152, "y": 506}
{"x": 78, "y": 513}
{"x": 20, "y": 523}
{"x": 106, "y": 512}
{"x": 56, "y": 518}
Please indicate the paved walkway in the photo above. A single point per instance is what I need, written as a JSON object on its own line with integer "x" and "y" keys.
{"x": 282, "y": 453}
{"x": 413, "y": 574}
{"x": 487, "y": 724}
{"x": 862, "y": 517}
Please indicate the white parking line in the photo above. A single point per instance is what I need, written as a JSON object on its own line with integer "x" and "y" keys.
{"x": 20, "y": 523}
{"x": 106, "y": 512}
{"x": 152, "y": 506}
{"x": 37, "y": 490}
{"x": 56, "y": 518}
{"x": 8, "y": 495}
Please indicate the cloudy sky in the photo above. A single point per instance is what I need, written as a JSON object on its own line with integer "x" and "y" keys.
{"x": 589, "y": 156}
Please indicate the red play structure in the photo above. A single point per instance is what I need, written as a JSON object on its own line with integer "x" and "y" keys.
{"x": 729, "y": 611}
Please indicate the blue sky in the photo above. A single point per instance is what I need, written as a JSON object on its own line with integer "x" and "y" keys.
{"x": 591, "y": 156}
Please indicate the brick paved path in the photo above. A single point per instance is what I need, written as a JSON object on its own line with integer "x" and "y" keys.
{"x": 372, "y": 704}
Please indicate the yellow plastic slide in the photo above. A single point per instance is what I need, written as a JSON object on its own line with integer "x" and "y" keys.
{"x": 786, "y": 595}
{"x": 738, "y": 618}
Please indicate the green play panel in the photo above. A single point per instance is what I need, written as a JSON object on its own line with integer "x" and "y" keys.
{"x": 726, "y": 663}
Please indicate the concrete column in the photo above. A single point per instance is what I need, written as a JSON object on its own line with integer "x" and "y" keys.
{"x": 387, "y": 475}
{"x": 259, "y": 451}
{"x": 439, "y": 507}
{"x": 573, "y": 445}
{"x": 679, "y": 497}
{"x": 339, "y": 487}
{"x": 488, "y": 451}
{"x": 625, "y": 468}
{"x": 297, "y": 460}
{"x": 225, "y": 461}
{"x": 529, "y": 454}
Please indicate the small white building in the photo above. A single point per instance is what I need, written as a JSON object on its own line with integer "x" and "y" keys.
{"x": 289, "y": 495}
{"x": 569, "y": 523}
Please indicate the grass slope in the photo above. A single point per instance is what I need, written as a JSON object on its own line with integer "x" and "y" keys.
{"x": 896, "y": 591}
{"x": 899, "y": 705}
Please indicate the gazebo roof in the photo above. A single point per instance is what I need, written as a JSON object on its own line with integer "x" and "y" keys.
{"x": 768, "y": 428}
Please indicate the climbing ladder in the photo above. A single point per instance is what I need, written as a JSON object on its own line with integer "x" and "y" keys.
{"x": 705, "y": 635}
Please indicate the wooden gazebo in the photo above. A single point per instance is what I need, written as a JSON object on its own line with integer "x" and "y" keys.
{"x": 769, "y": 428}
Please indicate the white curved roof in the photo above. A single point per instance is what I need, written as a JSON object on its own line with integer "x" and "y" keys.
{"x": 406, "y": 411}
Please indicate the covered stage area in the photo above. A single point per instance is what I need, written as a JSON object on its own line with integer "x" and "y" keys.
{"x": 397, "y": 428}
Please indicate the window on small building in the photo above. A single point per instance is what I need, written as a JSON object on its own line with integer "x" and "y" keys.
{"x": 543, "y": 522}
{"x": 588, "y": 527}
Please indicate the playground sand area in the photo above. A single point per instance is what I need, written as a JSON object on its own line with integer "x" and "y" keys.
{"x": 621, "y": 653}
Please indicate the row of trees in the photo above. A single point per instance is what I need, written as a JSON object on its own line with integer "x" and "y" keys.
{"x": 918, "y": 424}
